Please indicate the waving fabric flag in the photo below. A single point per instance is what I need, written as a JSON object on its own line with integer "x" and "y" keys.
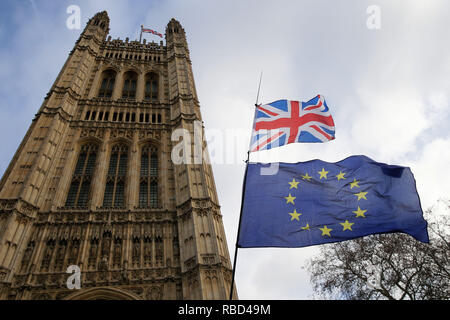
{"x": 151, "y": 31}
{"x": 317, "y": 202}
{"x": 285, "y": 121}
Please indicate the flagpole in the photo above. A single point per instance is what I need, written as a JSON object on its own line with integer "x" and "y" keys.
{"x": 242, "y": 202}
{"x": 239, "y": 227}
{"x": 140, "y": 37}
{"x": 259, "y": 87}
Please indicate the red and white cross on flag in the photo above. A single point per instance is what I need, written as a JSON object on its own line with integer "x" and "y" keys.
{"x": 151, "y": 31}
{"x": 285, "y": 121}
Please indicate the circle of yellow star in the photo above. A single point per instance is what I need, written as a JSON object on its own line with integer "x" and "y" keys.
{"x": 361, "y": 195}
{"x": 295, "y": 215}
{"x": 340, "y": 176}
{"x": 307, "y": 177}
{"x": 326, "y": 231}
{"x": 323, "y": 173}
{"x": 360, "y": 213}
{"x": 306, "y": 227}
{"x": 290, "y": 199}
{"x": 294, "y": 183}
{"x": 347, "y": 225}
{"x": 354, "y": 184}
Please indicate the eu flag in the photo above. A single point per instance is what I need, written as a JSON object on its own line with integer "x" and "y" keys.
{"x": 315, "y": 202}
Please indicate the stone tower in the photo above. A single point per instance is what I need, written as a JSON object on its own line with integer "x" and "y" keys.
{"x": 93, "y": 183}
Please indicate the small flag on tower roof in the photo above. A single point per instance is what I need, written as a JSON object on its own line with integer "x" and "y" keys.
{"x": 151, "y": 31}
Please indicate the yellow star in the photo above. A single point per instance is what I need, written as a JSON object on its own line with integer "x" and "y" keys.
{"x": 307, "y": 177}
{"x": 340, "y": 176}
{"x": 361, "y": 195}
{"x": 295, "y": 215}
{"x": 326, "y": 231}
{"x": 290, "y": 199}
{"x": 360, "y": 213}
{"x": 294, "y": 184}
{"x": 306, "y": 227}
{"x": 354, "y": 184}
{"x": 347, "y": 225}
{"x": 323, "y": 173}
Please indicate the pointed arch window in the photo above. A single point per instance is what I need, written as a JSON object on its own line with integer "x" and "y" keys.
{"x": 148, "y": 182}
{"x": 129, "y": 85}
{"x": 151, "y": 86}
{"x": 79, "y": 190}
{"x": 107, "y": 84}
{"x": 115, "y": 181}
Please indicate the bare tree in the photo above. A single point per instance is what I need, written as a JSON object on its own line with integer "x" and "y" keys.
{"x": 387, "y": 266}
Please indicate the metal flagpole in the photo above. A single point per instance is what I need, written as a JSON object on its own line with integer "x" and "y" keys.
{"x": 242, "y": 201}
{"x": 140, "y": 37}
{"x": 259, "y": 87}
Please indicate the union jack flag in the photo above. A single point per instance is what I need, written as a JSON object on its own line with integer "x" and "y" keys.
{"x": 284, "y": 121}
{"x": 151, "y": 31}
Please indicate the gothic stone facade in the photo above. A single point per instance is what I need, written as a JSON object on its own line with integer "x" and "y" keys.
{"x": 92, "y": 184}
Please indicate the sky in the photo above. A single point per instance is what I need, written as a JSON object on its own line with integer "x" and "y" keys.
{"x": 385, "y": 74}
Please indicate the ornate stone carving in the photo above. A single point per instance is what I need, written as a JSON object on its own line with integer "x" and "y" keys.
{"x": 3, "y": 274}
{"x": 92, "y": 132}
{"x": 136, "y": 251}
{"x": 136, "y": 290}
{"x": 149, "y": 134}
{"x": 154, "y": 293}
{"x": 122, "y": 133}
{"x": 41, "y": 296}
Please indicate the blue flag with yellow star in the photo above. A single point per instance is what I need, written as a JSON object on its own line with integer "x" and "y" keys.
{"x": 315, "y": 202}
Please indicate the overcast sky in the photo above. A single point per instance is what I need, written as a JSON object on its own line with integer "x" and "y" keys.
{"x": 387, "y": 88}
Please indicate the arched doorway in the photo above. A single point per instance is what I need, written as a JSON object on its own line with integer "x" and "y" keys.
{"x": 102, "y": 293}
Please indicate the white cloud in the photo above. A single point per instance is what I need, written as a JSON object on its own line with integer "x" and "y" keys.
{"x": 389, "y": 123}
{"x": 431, "y": 172}
{"x": 274, "y": 273}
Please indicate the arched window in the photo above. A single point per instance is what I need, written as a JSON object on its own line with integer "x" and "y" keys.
{"x": 115, "y": 180}
{"x": 151, "y": 86}
{"x": 129, "y": 85}
{"x": 107, "y": 84}
{"x": 78, "y": 195}
{"x": 148, "y": 182}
